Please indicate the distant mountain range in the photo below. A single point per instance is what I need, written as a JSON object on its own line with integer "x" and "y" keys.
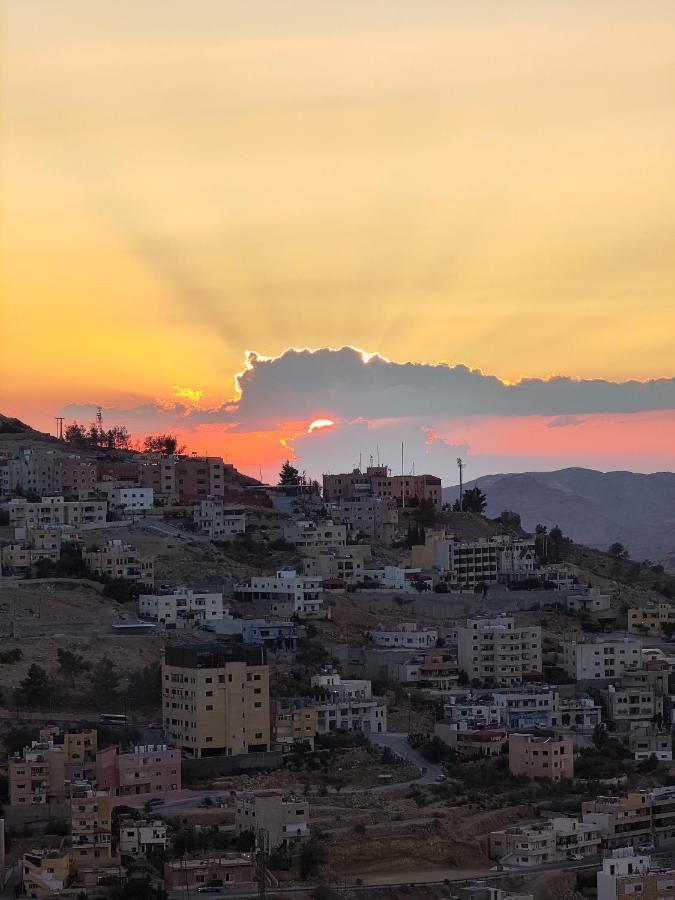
{"x": 593, "y": 508}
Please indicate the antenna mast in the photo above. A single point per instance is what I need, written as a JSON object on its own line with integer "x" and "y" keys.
{"x": 99, "y": 416}
{"x": 402, "y": 477}
{"x": 460, "y": 466}
{"x": 59, "y": 427}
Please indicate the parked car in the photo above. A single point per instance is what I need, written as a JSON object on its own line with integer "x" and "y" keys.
{"x": 577, "y": 857}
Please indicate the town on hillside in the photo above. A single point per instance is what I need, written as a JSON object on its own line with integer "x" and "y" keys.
{"x": 341, "y": 689}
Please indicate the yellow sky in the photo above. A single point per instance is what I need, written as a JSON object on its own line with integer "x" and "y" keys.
{"x": 485, "y": 183}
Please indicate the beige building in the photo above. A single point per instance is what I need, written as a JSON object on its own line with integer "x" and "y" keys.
{"x": 324, "y": 534}
{"x": 498, "y": 652}
{"x": 338, "y": 567}
{"x": 284, "y": 820}
{"x": 219, "y": 520}
{"x": 376, "y": 518}
{"x": 45, "y": 873}
{"x": 56, "y": 512}
{"x": 79, "y": 750}
{"x": 138, "y": 836}
{"x": 120, "y": 560}
{"x": 40, "y": 543}
{"x": 183, "y": 607}
{"x": 37, "y": 776}
{"x": 556, "y": 840}
{"x": 551, "y": 758}
{"x": 215, "y": 699}
{"x": 287, "y": 593}
{"x": 90, "y": 826}
{"x": 45, "y": 472}
{"x": 626, "y": 874}
{"x": 293, "y": 719}
{"x": 635, "y": 819}
{"x": 632, "y": 705}
{"x": 650, "y": 620}
{"x": 592, "y": 659}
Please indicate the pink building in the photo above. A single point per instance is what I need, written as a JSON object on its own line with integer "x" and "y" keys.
{"x": 541, "y": 757}
{"x": 153, "y": 769}
{"x": 178, "y": 478}
{"x": 213, "y": 872}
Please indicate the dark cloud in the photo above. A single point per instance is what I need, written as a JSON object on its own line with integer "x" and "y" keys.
{"x": 564, "y": 421}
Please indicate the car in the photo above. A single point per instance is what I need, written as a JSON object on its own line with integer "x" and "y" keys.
{"x": 441, "y": 777}
{"x": 577, "y": 857}
{"x": 209, "y": 889}
{"x": 647, "y": 848}
{"x": 155, "y": 801}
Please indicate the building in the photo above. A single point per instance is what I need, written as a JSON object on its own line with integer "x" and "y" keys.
{"x": 593, "y": 659}
{"x": 79, "y": 513}
{"x": 37, "y": 776}
{"x": 294, "y": 719}
{"x": 651, "y": 619}
{"x": 127, "y": 497}
{"x": 49, "y": 512}
{"x": 370, "y": 518}
{"x": 149, "y": 769}
{"x": 649, "y": 741}
{"x": 632, "y": 705}
{"x": 481, "y": 890}
{"x": 42, "y": 472}
{"x": 469, "y": 741}
{"x": 556, "y": 840}
{"x": 44, "y": 873}
{"x": 475, "y": 711}
{"x": 627, "y": 874}
{"x": 409, "y": 635}
{"x": 465, "y": 564}
{"x": 23, "y": 556}
{"x": 79, "y": 748}
{"x": 120, "y": 560}
{"x": 218, "y": 520}
{"x": 183, "y": 607}
{"x": 139, "y": 836}
{"x": 551, "y": 758}
{"x": 270, "y": 633}
{"x": 336, "y": 568}
{"x": 215, "y": 699}
{"x": 623, "y": 821}
{"x": 310, "y": 535}
{"x": 499, "y": 652}
{"x": 377, "y": 481}
{"x": 90, "y": 826}
{"x": 225, "y": 870}
{"x": 181, "y": 479}
{"x": 409, "y": 580}
{"x": 579, "y": 714}
{"x": 288, "y": 594}
{"x": 529, "y": 706}
{"x": 283, "y": 820}
{"x": 347, "y": 705}
{"x": 588, "y": 601}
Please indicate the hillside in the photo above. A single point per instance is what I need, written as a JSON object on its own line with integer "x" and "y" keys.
{"x": 593, "y": 508}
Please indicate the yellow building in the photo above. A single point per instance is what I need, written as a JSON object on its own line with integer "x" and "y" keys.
{"x": 120, "y": 560}
{"x": 215, "y": 699}
{"x": 293, "y": 719}
{"x": 44, "y": 873}
{"x": 649, "y": 620}
{"x": 90, "y": 826}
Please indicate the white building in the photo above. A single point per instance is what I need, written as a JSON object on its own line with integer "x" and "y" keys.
{"x": 287, "y": 593}
{"x": 339, "y": 688}
{"x": 218, "y": 520}
{"x": 284, "y": 820}
{"x": 183, "y": 607}
{"x": 130, "y": 497}
{"x": 408, "y": 635}
{"x": 396, "y": 578}
{"x": 626, "y": 873}
{"x": 527, "y": 706}
{"x": 307, "y": 535}
{"x": 599, "y": 659}
{"x": 558, "y": 839}
{"x": 468, "y": 563}
{"x": 477, "y": 712}
{"x": 368, "y": 716}
{"x": 137, "y": 836}
{"x": 499, "y": 652}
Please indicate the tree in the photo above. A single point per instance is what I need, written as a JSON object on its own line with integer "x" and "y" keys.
{"x": 312, "y": 856}
{"x": 289, "y": 475}
{"x": 474, "y": 501}
{"x": 145, "y": 685}
{"x": 668, "y": 628}
{"x": 35, "y": 687}
{"x": 124, "y": 590}
{"x": 509, "y": 519}
{"x": 426, "y": 512}
{"x": 618, "y": 551}
{"x": 105, "y": 680}
{"x": 71, "y": 664}
{"x": 166, "y": 444}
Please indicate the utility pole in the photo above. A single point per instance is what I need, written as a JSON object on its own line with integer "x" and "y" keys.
{"x": 460, "y": 466}
{"x": 99, "y": 416}
{"x": 261, "y": 863}
{"x": 402, "y": 480}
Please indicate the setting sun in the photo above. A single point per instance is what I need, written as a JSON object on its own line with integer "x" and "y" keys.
{"x": 319, "y": 423}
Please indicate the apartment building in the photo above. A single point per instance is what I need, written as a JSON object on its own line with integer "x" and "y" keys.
{"x": 312, "y": 535}
{"x": 464, "y": 564}
{"x": 347, "y": 705}
{"x": 577, "y": 713}
{"x": 37, "y": 776}
{"x": 90, "y": 826}
{"x": 182, "y": 479}
{"x": 475, "y": 711}
{"x": 551, "y": 758}
{"x": 270, "y": 633}
{"x": 44, "y": 873}
{"x": 651, "y": 619}
{"x": 183, "y": 607}
{"x": 211, "y": 872}
{"x": 599, "y": 658}
{"x": 283, "y": 820}
{"x": 294, "y": 719}
{"x": 632, "y": 705}
{"x": 287, "y": 593}
{"x": 377, "y": 481}
{"x": 408, "y": 635}
{"x": 127, "y": 497}
{"x": 120, "y": 560}
{"x": 215, "y": 699}
{"x": 375, "y": 518}
{"x": 497, "y": 651}
{"x": 526, "y": 707}
{"x": 218, "y": 520}
{"x": 627, "y": 874}
{"x": 623, "y": 821}
{"x": 44, "y": 472}
{"x": 48, "y": 512}
{"x": 544, "y": 842}
{"x": 79, "y": 748}
{"x": 469, "y": 741}
{"x": 397, "y": 578}
{"x": 336, "y": 568}
{"x": 21, "y": 557}
{"x": 139, "y": 836}
{"x": 148, "y": 769}
{"x": 645, "y": 742}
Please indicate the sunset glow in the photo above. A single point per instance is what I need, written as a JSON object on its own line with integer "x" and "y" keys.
{"x": 319, "y": 423}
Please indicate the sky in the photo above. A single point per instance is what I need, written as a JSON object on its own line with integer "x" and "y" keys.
{"x": 188, "y": 191}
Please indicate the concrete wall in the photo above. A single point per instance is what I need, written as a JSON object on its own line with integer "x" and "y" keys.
{"x": 213, "y": 766}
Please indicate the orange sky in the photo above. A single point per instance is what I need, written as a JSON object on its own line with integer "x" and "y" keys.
{"x": 482, "y": 183}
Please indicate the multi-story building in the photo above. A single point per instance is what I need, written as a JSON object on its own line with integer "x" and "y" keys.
{"x": 348, "y": 705}
{"x": 599, "y": 658}
{"x": 465, "y": 564}
{"x": 90, "y": 826}
{"x": 186, "y": 478}
{"x": 152, "y": 769}
{"x": 138, "y": 836}
{"x": 650, "y": 619}
{"x": 527, "y": 706}
{"x": 127, "y": 497}
{"x": 551, "y": 758}
{"x": 85, "y": 512}
{"x": 48, "y": 512}
{"x": 631, "y": 706}
{"x": 469, "y": 741}
{"x": 287, "y": 593}
{"x": 39, "y": 543}
{"x": 313, "y": 535}
{"x": 294, "y": 719}
{"x": 335, "y": 568}
{"x": 270, "y": 633}
{"x": 587, "y": 601}
{"x": 377, "y": 481}
{"x": 43, "y": 472}
{"x": 44, "y": 873}
{"x": 375, "y": 518}
{"x": 650, "y": 741}
{"x": 497, "y": 651}
{"x": 545, "y": 842}
{"x": 120, "y": 560}
{"x": 212, "y": 872}
{"x": 578, "y": 713}
{"x": 409, "y": 635}
{"x": 183, "y": 607}
{"x": 623, "y": 821}
{"x": 215, "y": 699}
{"x": 475, "y": 711}
{"x": 79, "y": 748}
{"x": 626, "y": 874}
{"x": 219, "y": 520}
{"x": 37, "y": 776}
{"x": 283, "y": 820}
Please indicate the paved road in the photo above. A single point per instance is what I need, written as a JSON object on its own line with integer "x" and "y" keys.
{"x": 398, "y": 744}
{"x": 167, "y": 530}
